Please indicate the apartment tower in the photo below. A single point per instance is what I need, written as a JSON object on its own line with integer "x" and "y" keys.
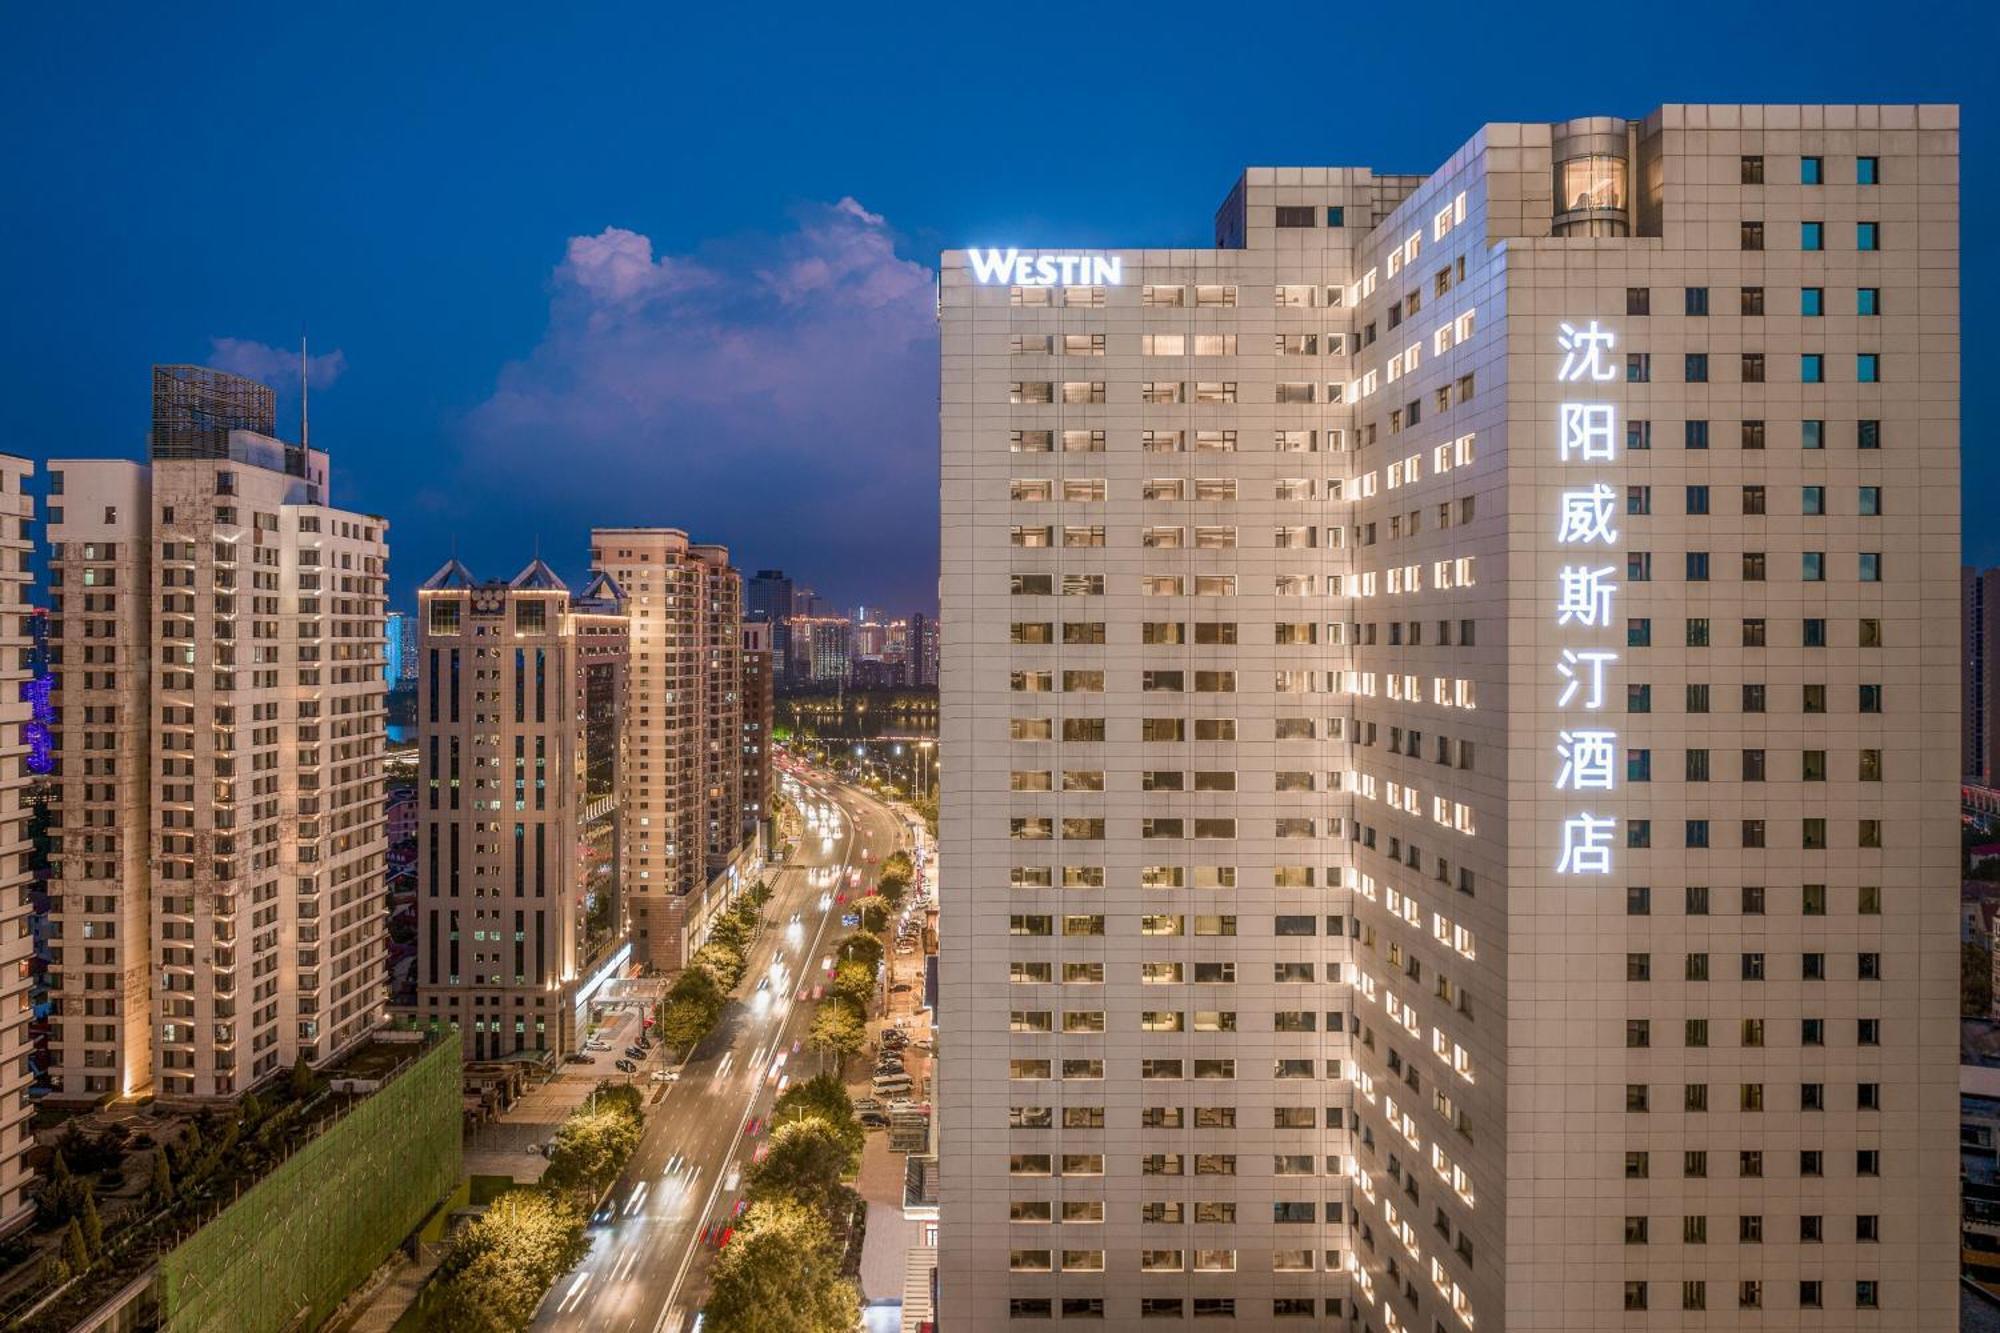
{"x": 17, "y": 942}
{"x": 757, "y": 714}
{"x": 508, "y": 682}
{"x": 1452, "y": 696}
{"x": 216, "y": 638}
{"x": 681, "y": 786}
{"x": 1979, "y": 591}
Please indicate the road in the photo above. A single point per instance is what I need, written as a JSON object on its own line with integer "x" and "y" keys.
{"x": 646, "y": 1270}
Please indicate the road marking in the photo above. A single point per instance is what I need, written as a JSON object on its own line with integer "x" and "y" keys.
{"x": 570, "y": 1297}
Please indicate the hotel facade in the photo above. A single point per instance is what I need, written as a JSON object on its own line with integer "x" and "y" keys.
{"x": 520, "y": 686}
{"x": 1452, "y": 697}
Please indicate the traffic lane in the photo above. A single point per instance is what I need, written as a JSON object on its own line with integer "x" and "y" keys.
{"x": 797, "y": 1023}
{"x": 653, "y": 1208}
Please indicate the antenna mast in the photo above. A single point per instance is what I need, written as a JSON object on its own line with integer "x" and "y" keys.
{"x": 305, "y": 431}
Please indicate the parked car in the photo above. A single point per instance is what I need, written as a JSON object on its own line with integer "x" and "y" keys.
{"x": 628, "y": 1066}
{"x": 872, "y": 1119}
{"x": 578, "y": 1058}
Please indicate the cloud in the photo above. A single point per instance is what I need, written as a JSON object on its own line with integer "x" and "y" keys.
{"x": 275, "y": 366}
{"x": 777, "y": 392}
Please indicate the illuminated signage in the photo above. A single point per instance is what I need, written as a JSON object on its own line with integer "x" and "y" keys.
{"x": 1033, "y": 269}
{"x": 1586, "y": 593}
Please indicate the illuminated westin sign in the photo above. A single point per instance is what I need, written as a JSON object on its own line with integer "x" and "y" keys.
{"x": 1044, "y": 270}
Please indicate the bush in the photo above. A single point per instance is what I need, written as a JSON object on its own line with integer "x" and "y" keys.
{"x": 861, "y": 949}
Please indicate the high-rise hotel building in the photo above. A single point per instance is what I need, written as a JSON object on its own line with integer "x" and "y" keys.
{"x": 680, "y": 788}
{"x": 510, "y": 677}
{"x": 216, "y": 642}
{"x": 1452, "y": 696}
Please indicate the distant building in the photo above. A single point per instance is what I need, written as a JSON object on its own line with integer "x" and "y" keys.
{"x": 923, "y": 649}
{"x": 393, "y": 654}
{"x": 822, "y": 650}
{"x": 767, "y": 596}
{"x": 1979, "y": 603}
{"x": 757, "y": 708}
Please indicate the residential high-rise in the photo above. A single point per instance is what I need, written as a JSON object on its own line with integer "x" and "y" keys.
{"x": 724, "y": 819}
{"x": 1448, "y": 696}
{"x": 1979, "y": 591}
{"x": 17, "y": 939}
{"x": 217, "y": 900}
{"x": 681, "y": 789}
{"x": 509, "y": 685}
{"x": 757, "y": 714}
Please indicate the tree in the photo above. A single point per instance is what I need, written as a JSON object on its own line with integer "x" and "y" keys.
{"x": 781, "y": 1274}
{"x": 722, "y": 961}
{"x": 160, "y": 1191}
{"x": 855, "y": 983}
{"x": 590, "y": 1148}
{"x": 861, "y": 949}
{"x": 684, "y": 1022}
{"x": 874, "y": 912}
{"x": 823, "y": 1097}
{"x": 805, "y": 1161}
{"x": 76, "y": 1248}
{"x": 1975, "y": 981}
{"x": 303, "y": 1080}
{"x": 838, "y": 1030}
{"x": 503, "y": 1263}
{"x": 892, "y": 887}
{"x": 91, "y": 1224}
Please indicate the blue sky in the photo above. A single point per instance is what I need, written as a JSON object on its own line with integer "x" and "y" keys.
{"x": 670, "y": 264}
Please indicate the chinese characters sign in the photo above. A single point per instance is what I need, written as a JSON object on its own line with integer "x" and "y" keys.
{"x": 1586, "y": 592}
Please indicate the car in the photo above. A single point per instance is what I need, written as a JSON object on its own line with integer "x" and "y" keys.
{"x": 783, "y": 1083}
{"x": 578, "y": 1058}
{"x": 795, "y": 918}
{"x": 798, "y": 1045}
{"x": 872, "y": 1119}
{"x": 628, "y": 1067}
{"x": 634, "y": 1053}
{"x": 901, "y": 988}
{"x": 755, "y": 1123}
{"x": 665, "y": 1076}
{"x": 867, "y": 1104}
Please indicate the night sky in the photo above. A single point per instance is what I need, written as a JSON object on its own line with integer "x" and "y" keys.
{"x": 672, "y": 264}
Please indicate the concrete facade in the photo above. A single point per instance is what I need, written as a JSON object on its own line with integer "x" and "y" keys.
{"x": 17, "y": 512}
{"x": 1451, "y": 698}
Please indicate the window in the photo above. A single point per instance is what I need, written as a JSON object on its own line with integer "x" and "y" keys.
{"x": 1752, "y": 302}
{"x": 1752, "y": 236}
{"x": 1812, "y": 236}
{"x": 1867, "y": 170}
{"x": 1812, "y": 435}
{"x": 1811, "y": 171}
{"x": 1812, "y": 564}
{"x": 1868, "y": 435}
{"x": 1812, "y": 368}
{"x": 1869, "y": 502}
{"x": 1638, "y": 300}
{"x": 1694, "y": 434}
{"x": 1870, "y": 567}
{"x": 1867, "y": 300}
{"x": 1812, "y": 302}
{"x": 1753, "y": 169}
{"x": 1638, "y": 367}
{"x": 1697, "y": 367}
{"x": 1295, "y": 215}
{"x": 1753, "y": 368}
{"x": 1812, "y": 501}
{"x": 1696, "y": 301}
{"x": 1336, "y": 216}
{"x": 1868, "y": 236}
{"x": 1868, "y": 367}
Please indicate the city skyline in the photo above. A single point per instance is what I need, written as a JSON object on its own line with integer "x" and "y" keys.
{"x": 466, "y": 315}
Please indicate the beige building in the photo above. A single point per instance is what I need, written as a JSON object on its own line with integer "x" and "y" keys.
{"x": 681, "y": 785}
{"x": 1452, "y": 698}
{"x": 509, "y": 678}
{"x": 17, "y": 512}
{"x": 216, "y": 634}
